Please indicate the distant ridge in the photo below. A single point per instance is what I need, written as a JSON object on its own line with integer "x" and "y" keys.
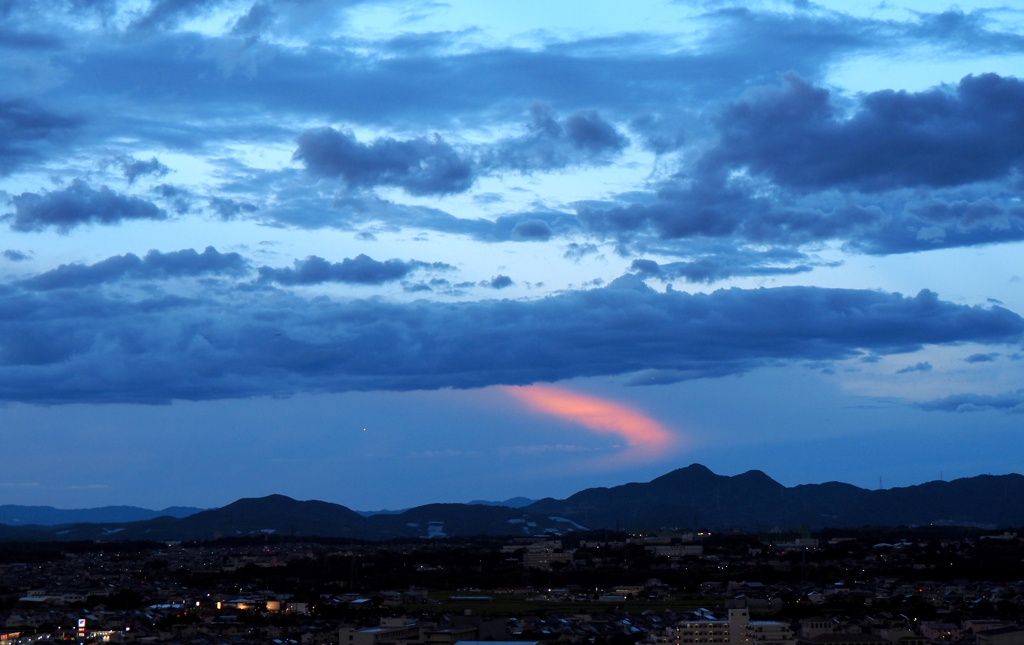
{"x": 514, "y": 502}
{"x": 691, "y": 497}
{"x": 16, "y": 515}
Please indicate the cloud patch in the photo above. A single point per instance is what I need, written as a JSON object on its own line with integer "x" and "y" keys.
{"x": 946, "y": 136}
{"x": 917, "y": 367}
{"x": 421, "y": 166}
{"x": 498, "y": 282}
{"x": 14, "y": 255}
{"x": 134, "y": 168}
{"x": 532, "y": 230}
{"x": 76, "y": 205}
{"x": 726, "y": 263}
{"x": 1005, "y": 402}
{"x": 361, "y": 269}
{"x": 982, "y": 358}
{"x": 431, "y": 166}
{"x": 153, "y": 266}
{"x": 583, "y": 138}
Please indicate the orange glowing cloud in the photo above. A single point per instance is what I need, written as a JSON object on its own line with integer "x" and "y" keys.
{"x": 646, "y": 438}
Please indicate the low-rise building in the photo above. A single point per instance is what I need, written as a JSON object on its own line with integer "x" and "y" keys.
{"x": 1012, "y": 635}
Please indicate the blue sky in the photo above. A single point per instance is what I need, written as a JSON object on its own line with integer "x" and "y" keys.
{"x": 384, "y": 253}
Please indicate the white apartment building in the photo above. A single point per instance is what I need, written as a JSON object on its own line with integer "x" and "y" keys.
{"x": 738, "y": 629}
{"x": 770, "y": 632}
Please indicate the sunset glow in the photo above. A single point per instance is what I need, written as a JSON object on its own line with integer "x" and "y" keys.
{"x": 646, "y": 438}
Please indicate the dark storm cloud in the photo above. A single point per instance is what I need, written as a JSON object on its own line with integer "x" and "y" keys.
{"x": 789, "y": 169}
{"x": 799, "y": 139}
{"x": 498, "y": 282}
{"x": 431, "y": 166}
{"x": 658, "y": 133}
{"x": 582, "y": 138}
{"x": 134, "y": 168}
{"x": 180, "y": 199}
{"x": 78, "y": 204}
{"x": 532, "y": 229}
{"x": 228, "y": 209}
{"x": 576, "y": 251}
{"x": 912, "y": 227}
{"x": 361, "y": 269}
{"x": 348, "y": 211}
{"x": 934, "y": 224}
{"x": 76, "y": 346}
{"x": 725, "y": 263}
{"x": 714, "y": 210}
{"x": 416, "y": 287}
{"x": 1006, "y": 402}
{"x": 530, "y": 226}
{"x": 982, "y": 358}
{"x": 425, "y": 43}
{"x": 917, "y": 367}
{"x": 15, "y": 255}
{"x": 26, "y": 131}
{"x": 153, "y": 266}
{"x": 421, "y": 166}
{"x": 968, "y": 31}
{"x": 706, "y": 209}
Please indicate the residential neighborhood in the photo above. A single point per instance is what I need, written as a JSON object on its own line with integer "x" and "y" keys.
{"x": 665, "y": 588}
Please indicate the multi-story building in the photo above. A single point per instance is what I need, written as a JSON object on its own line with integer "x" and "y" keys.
{"x": 390, "y": 632}
{"x": 770, "y": 632}
{"x": 737, "y": 629}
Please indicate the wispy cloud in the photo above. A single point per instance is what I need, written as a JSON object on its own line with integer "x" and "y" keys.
{"x": 646, "y": 439}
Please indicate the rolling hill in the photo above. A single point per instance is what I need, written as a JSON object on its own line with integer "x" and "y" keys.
{"x": 691, "y": 497}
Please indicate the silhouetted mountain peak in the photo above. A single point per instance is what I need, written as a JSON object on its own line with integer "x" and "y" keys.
{"x": 694, "y": 474}
{"x": 267, "y": 500}
{"x": 757, "y": 478}
{"x": 694, "y": 471}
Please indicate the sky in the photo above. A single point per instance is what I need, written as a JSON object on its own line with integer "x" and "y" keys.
{"x": 390, "y": 252}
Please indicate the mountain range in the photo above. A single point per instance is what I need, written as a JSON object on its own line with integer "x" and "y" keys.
{"x": 16, "y": 515}
{"x": 692, "y": 497}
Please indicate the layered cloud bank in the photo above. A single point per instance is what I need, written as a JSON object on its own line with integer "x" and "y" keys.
{"x": 60, "y": 345}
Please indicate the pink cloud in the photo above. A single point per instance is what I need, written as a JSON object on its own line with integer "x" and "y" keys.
{"x": 645, "y": 438}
